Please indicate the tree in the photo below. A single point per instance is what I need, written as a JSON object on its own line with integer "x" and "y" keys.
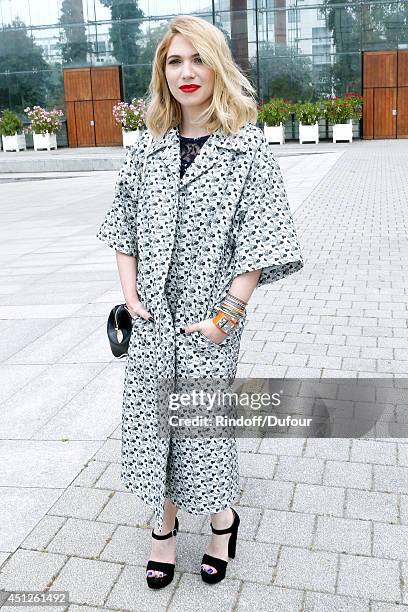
{"x": 284, "y": 74}
{"x": 358, "y": 27}
{"x": 124, "y": 34}
{"x": 125, "y": 29}
{"x": 344, "y": 24}
{"x": 394, "y": 19}
{"x": 73, "y": 44}
{"x": 137, "y": 86}
{"x": 24, "y": 74}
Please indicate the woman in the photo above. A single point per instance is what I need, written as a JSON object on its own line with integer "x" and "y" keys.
{"x": 209, "y": 223}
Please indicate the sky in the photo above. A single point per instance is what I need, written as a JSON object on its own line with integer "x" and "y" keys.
{"x": 46, "y": 12}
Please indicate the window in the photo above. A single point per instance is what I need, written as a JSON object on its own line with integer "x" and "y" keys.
{"x": 293, "y": 16}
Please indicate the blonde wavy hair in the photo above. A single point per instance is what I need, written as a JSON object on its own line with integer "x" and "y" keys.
{"x": 233, "y": 102}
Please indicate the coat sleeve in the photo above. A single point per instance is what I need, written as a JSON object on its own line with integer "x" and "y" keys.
{"x": 118, "y": 228}
{"x": 266, "y": 237}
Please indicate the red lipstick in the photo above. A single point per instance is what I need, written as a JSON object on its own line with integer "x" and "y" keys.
{"x": 189, "y": 88}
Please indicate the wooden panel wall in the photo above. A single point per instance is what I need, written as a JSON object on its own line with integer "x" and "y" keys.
{"x": 77, "y": 84}
{"x": 380, "y": 91}
{"x": 71, "y": 124}
{"x": 90, "y": 94}
{"x": 402, "y": 102}
{"x": 105, "y": 83}
{"x": 85, "y": 123}
{"x": 385, "y": 123}
{"x": 380, "y": 69}
{"x": 368, "y": 112}
{"x": 402, "y": 68}
{"x": 402, "y": 118}
{"x": 107, "y": 133}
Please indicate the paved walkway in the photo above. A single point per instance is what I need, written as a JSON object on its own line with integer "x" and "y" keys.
{"x": 81, "y": 159}
{"x": 324, "y": 522}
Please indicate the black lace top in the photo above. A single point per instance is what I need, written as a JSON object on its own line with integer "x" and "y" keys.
{"x": 189, "y": 148}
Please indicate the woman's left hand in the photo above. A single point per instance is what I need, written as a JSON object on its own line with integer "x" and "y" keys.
{"x": 208, "y": 329}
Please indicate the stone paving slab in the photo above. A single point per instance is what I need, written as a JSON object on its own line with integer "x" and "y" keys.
{"x": 324, "y": 521}
{"x": 77, "y": 161}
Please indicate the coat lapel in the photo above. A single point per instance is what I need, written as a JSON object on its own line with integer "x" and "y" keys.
{"x": 166, "y": 149}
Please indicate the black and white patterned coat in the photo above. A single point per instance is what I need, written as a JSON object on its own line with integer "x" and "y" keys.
{"x": 241, "y": 221}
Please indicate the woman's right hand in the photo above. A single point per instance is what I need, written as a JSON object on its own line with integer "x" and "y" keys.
{"x": 136, "y": 309}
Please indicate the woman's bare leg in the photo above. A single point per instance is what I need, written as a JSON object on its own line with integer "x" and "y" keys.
{"x": 164, "y": 550}
{"x": 218, "y": 546}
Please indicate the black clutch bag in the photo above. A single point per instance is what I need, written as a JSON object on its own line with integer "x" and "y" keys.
{"x": 119, "y": 328}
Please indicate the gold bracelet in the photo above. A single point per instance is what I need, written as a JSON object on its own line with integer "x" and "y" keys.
{"x": 233, "y": 311}
{"x": 224, "y": 322}
{"x": 233, "y": 304}
{"x": 239, "y": 300}
{"x": 238, "y": 309}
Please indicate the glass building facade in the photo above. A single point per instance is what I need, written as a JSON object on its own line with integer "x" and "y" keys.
{"x": 296, "y": 49}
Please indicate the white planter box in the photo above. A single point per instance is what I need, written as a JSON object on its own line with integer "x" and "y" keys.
{"x": 343, "y": 131}
{"x": 45, "y": 141}
{"x": 17, "y": 142}
{"x": 130, "y": 137}
{"x": 275, "y": 133}
{"x": 308, "y": 133}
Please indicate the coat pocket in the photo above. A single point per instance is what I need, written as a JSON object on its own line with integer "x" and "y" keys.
{"x": 202, "y": 342}
{"x": 140, "y": 325}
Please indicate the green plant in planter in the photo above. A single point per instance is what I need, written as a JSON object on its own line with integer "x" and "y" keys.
{"x": 10, "y": 124}
{"x": 356, "y": 102}
{"x": 275, "y": 112}
{"x": 308, "y": 113}
{"x": 341, "y": 110}
{"x": 44, "y": 121}
{"x": 130, "y": 116}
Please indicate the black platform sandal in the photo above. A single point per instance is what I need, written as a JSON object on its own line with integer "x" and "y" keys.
{"x": 219, "y": 564}
{"x": 158, "y": 582}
